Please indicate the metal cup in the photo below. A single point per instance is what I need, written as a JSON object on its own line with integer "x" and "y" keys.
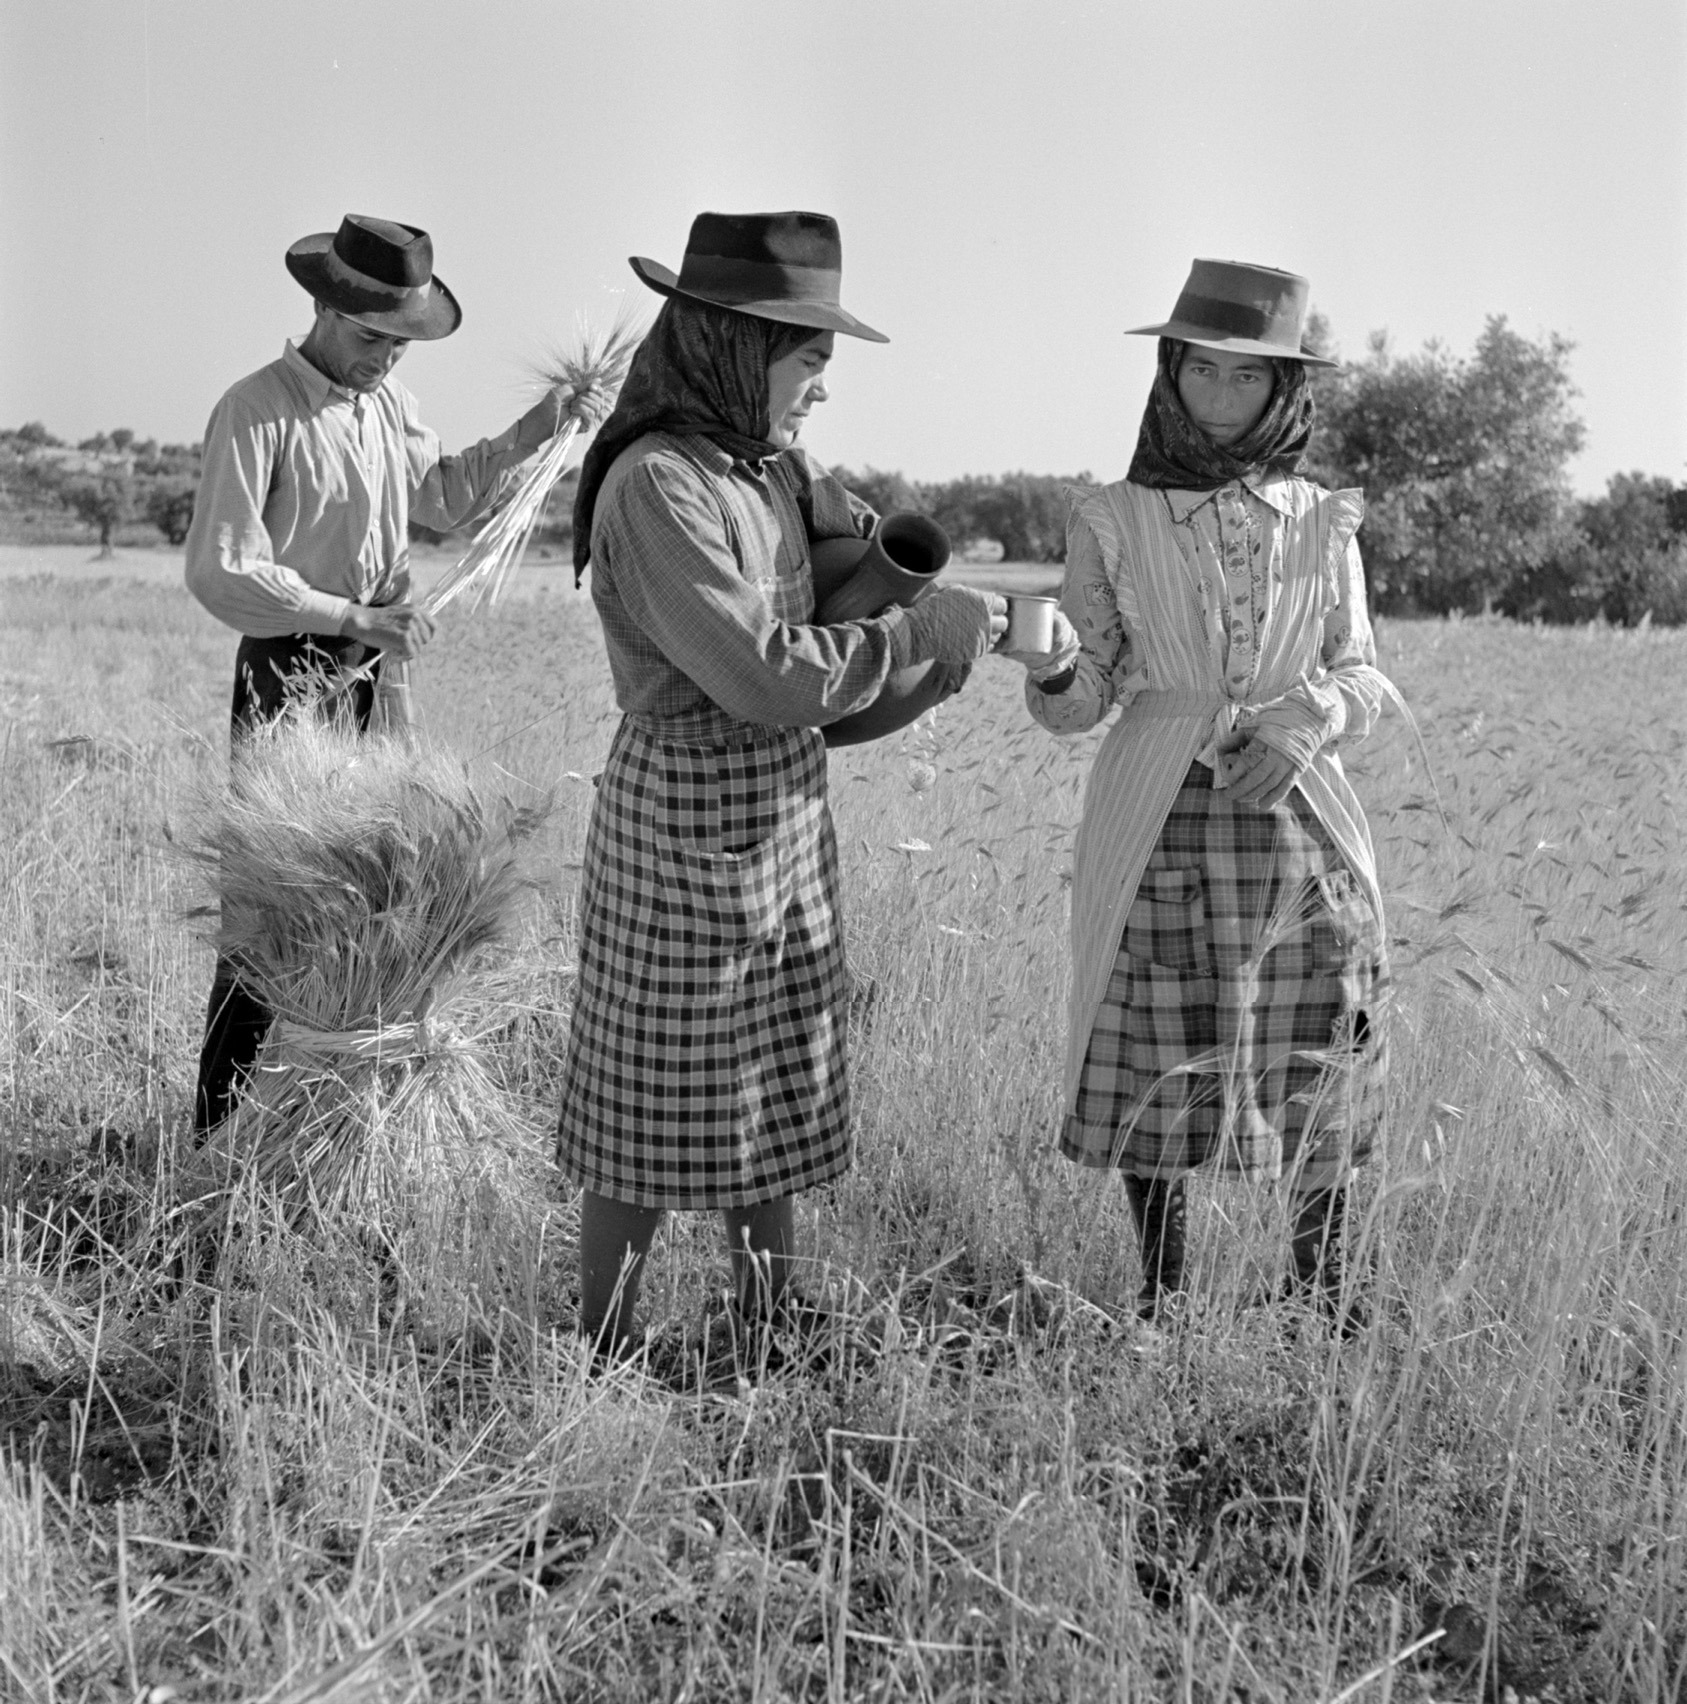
{"x": 1030, "y": 624}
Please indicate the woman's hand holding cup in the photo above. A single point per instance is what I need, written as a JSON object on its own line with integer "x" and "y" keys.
{"x": 1039, "y": 637}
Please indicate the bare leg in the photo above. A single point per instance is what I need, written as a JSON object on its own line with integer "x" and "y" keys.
{"x": 614, "y": 1240}
{"x": 762, "y": 1243}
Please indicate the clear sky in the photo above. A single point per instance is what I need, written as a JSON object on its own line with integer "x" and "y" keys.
{"x": 1017, "y": 181}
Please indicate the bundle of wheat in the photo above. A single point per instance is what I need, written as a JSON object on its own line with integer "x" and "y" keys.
{"x": 596, "y": 368}
{"x": 359, "y": 882}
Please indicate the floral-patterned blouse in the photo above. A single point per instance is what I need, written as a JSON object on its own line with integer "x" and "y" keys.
{"x": 1236, "y": 532}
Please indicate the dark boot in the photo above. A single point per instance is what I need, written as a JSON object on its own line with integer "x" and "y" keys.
{"x": 1158, "y": 1207}
{"x": 1318, "y": 1245}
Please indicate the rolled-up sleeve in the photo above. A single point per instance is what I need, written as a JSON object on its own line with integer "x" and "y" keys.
{"x": 448, "y": 490}
{"x": 677, "y": 575}
{"x": 230, "y": 558}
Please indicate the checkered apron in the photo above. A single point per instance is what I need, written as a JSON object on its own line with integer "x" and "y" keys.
{"x": 705, "y": 1066}
{"x": 1243, "y": 1023}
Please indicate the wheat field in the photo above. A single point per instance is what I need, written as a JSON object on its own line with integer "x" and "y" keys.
{"x": 993, "y": 1486}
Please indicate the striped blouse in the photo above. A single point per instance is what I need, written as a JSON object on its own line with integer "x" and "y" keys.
{"x": 1200, "y": 612}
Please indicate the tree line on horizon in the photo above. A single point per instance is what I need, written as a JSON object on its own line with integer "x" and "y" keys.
{"x": 1464, "y": 462}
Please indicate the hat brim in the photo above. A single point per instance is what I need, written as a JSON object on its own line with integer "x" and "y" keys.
{"x": 1186, "y": 333}
{"x": 823, "y": 316}
{"x": 420, "y": 319}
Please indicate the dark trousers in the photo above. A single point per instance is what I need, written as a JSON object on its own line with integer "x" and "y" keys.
{"x": 269, "y": 675}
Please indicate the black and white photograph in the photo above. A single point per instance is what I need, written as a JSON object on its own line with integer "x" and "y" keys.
{"x": 842, "y": 852}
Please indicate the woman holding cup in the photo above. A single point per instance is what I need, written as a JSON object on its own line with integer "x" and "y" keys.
{"x": 1230, "y": 973}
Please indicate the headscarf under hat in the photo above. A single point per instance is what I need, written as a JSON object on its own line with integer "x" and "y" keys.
{"x": 1173, "y": 453}
{"x": 700, "y": 371}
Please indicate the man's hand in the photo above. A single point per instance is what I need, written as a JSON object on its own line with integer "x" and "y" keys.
{"x": 1265, "y": 776}
{"x": 400, "y": 630}
{"x": 555, "y": 409}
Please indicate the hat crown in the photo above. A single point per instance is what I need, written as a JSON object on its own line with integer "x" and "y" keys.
{"x": 767, "y": 239}
{"x": 735, "y": 258}
{"x": 1232, "y": 299}
{"x": 777, "y": 266}
{"x": 399, "y": 256}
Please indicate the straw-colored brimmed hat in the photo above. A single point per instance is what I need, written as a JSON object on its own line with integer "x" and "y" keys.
{"x": 777, "y": 266}
{"x": 379, "y": 274}
{"x": 1248, "y": 310}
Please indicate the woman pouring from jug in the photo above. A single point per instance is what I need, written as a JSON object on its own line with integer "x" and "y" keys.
{"x": 705, "y": 1067}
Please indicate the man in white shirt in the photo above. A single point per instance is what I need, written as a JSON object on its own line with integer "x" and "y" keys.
{"x": 314, "y": 467}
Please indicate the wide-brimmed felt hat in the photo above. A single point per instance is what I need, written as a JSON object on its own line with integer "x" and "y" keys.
{"x": 777, "y": 266}
{"x": 1248, "y": 310}
{"x": 378, "y": 273}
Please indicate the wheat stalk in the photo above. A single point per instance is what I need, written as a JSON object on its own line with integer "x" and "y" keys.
{"x": 598, "y": 364}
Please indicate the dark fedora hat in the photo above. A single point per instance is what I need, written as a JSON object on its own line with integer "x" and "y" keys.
{"x": 777, "y": 266}
{"x": 379, "y": 274}
{"x": 1248, "y": 310}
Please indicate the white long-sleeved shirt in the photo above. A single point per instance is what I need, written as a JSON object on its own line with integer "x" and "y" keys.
{"x": 307, "y": 493}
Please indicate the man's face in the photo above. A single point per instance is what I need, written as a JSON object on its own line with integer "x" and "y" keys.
{"x": 351, "y": 354}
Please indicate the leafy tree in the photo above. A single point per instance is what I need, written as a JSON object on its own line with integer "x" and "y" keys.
{"x": 1625, "y": 562}
{"x": 1024, "y": 512}
{"x": 105, "y": 501}
{"x": 34, "y": 435}
{"x": 889, "y": 493}
{"x": 1463, "y": 463}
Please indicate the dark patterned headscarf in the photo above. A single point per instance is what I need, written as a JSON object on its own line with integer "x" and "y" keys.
{"x": 1173, "y": 453}
{"x": 700, "y": 371}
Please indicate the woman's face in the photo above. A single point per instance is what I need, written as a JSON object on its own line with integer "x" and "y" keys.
{"x": 795, "y": 382}
{"x": 1224, "y": 394}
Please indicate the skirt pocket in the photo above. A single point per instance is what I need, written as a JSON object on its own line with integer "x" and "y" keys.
{"x": 1344, "y": 930}
{"x": 1167, "y": 923}
{"x": 721, "y": 874}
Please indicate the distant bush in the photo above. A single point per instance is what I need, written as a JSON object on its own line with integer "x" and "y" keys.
{"x": 169, "y": 506}
{"x": 1023, "y": 512}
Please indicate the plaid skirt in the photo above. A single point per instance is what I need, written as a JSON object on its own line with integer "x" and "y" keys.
{"x": 1243, "y": 1023}
{"x": 705, "y": 1063}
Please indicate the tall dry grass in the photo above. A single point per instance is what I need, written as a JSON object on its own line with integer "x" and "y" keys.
{"x": 990, "y": 1489}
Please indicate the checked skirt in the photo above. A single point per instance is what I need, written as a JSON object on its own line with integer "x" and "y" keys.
{"x": 1243, "y": 1024}
{"x": 705, "y": 1064}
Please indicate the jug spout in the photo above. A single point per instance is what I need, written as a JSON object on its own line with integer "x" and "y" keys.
{"x": 855, "y": 578}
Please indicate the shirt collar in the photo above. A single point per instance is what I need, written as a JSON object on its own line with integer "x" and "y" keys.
{"x": 319, "y": 388}
{"x": 713, "y": 459}
{"x": 1272, "y": 489}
